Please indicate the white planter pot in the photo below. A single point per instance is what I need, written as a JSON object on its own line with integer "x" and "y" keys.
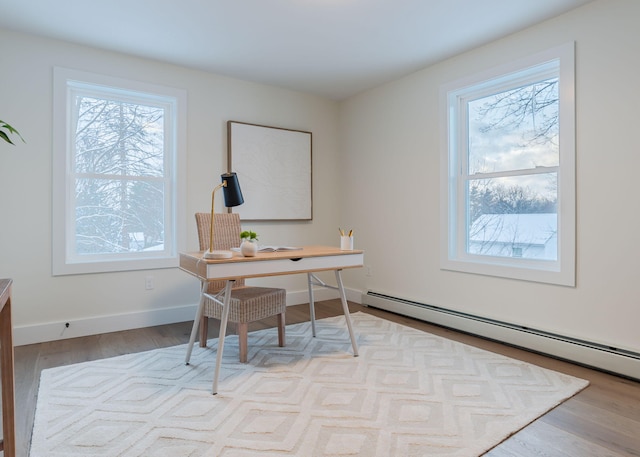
{"x": 248, "y": 248}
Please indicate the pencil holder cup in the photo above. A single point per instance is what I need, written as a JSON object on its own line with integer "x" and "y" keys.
{"x": 346, "y": 243}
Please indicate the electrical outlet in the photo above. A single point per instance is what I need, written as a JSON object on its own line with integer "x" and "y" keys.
{"x": 149, "y": 283}
{"x": 369, "y": 271}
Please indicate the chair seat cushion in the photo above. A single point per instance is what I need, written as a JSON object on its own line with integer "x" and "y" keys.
{"x": 250, "y": 304}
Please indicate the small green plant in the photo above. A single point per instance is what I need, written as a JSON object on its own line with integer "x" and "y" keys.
{"x": 5, "y": 130}
{"x": 249, "y": 235}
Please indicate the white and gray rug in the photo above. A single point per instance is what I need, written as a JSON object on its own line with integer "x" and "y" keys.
{"x": 409, "y": 393}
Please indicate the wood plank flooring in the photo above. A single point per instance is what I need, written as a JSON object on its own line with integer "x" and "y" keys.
{"x": 602, "y": 420}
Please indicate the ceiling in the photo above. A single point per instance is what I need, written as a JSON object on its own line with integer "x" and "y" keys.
{"x": 331, "y": 48}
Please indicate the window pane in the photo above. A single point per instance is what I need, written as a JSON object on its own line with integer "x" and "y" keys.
{"x": 118, "y": 138}
{"x": 514, "y": 130}
{"x": 513, "y": 217}
{"x": 115, "y": 216}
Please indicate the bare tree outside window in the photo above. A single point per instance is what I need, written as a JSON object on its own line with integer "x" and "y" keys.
{"x": 118, "y": 162}
{"x": 532, "y": 110}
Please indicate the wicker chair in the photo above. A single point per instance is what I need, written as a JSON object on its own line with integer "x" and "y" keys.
{"x": 248, "y": 303}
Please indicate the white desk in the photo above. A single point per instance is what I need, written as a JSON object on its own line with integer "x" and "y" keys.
{"x": 309, "y": 260}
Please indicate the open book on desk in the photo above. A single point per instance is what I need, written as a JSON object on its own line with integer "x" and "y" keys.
{"x": 273, "y": 248}
{"x": 278, "y": 248}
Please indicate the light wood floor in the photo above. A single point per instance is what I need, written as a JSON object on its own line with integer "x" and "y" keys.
{"x": 602, "y": 420}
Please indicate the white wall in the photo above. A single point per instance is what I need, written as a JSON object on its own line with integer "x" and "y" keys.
{"x": 390, "y": 144}
{"x": 101, "y": 302}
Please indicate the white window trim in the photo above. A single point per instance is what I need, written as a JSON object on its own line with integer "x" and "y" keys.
{"x": 63, "y": 221}
{"x": 561, "y": 272}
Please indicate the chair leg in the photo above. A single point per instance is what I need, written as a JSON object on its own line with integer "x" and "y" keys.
{"x": 204, "y": 331}
{"x": 312, "y": 306}
{"x": 281, "y": 331}
{"x": 243, "y": 330}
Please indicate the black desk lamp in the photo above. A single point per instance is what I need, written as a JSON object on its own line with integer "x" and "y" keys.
{"x": 232, "y": 197}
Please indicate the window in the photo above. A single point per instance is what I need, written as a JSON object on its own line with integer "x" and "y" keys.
{"x": 116, "y": 178}
{"x": 508, "y": 171}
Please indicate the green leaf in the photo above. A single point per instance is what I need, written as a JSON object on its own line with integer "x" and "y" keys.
{"x": 7, "y": 127}
{"x": 249, "y": 235}
{"x": 5, "y": 137}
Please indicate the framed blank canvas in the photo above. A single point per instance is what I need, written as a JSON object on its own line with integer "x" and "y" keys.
{"x": 274, "y": 170}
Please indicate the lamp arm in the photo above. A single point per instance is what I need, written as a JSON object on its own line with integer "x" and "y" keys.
{"x": 213, "y": 194}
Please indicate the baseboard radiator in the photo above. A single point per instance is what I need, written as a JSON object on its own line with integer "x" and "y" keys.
{"x": 610, "y": 359}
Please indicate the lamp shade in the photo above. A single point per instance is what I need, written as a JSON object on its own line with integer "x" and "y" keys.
{"x": 232, "y": 192}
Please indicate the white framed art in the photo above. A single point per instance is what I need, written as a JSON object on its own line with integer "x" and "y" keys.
{"x": 274, "y": 170}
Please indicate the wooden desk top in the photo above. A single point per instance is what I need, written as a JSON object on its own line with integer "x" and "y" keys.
{"x": 307, "y": 259}
{"x": 304, "y": 251}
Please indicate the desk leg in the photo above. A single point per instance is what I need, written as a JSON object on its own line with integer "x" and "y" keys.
{"x": 345, "y": 309}
{"x": 312, "y": 306}
{"x": 223, "y": 331}
{"x": 196, "y": 323}
{"x": 8, "y": 399}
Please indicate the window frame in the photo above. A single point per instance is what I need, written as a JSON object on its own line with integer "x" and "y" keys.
{"x": 453, "y": 204}
{"x": 66, "y": 82}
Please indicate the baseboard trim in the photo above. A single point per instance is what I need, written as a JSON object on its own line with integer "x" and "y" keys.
{"x": 53, "y": 331}
{"x": 604, "y": 358}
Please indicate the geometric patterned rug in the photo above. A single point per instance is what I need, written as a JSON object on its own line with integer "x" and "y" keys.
{"x": 409, "y": 393}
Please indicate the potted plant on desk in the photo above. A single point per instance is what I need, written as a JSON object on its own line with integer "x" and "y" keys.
{"x": 249, "y": 245}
